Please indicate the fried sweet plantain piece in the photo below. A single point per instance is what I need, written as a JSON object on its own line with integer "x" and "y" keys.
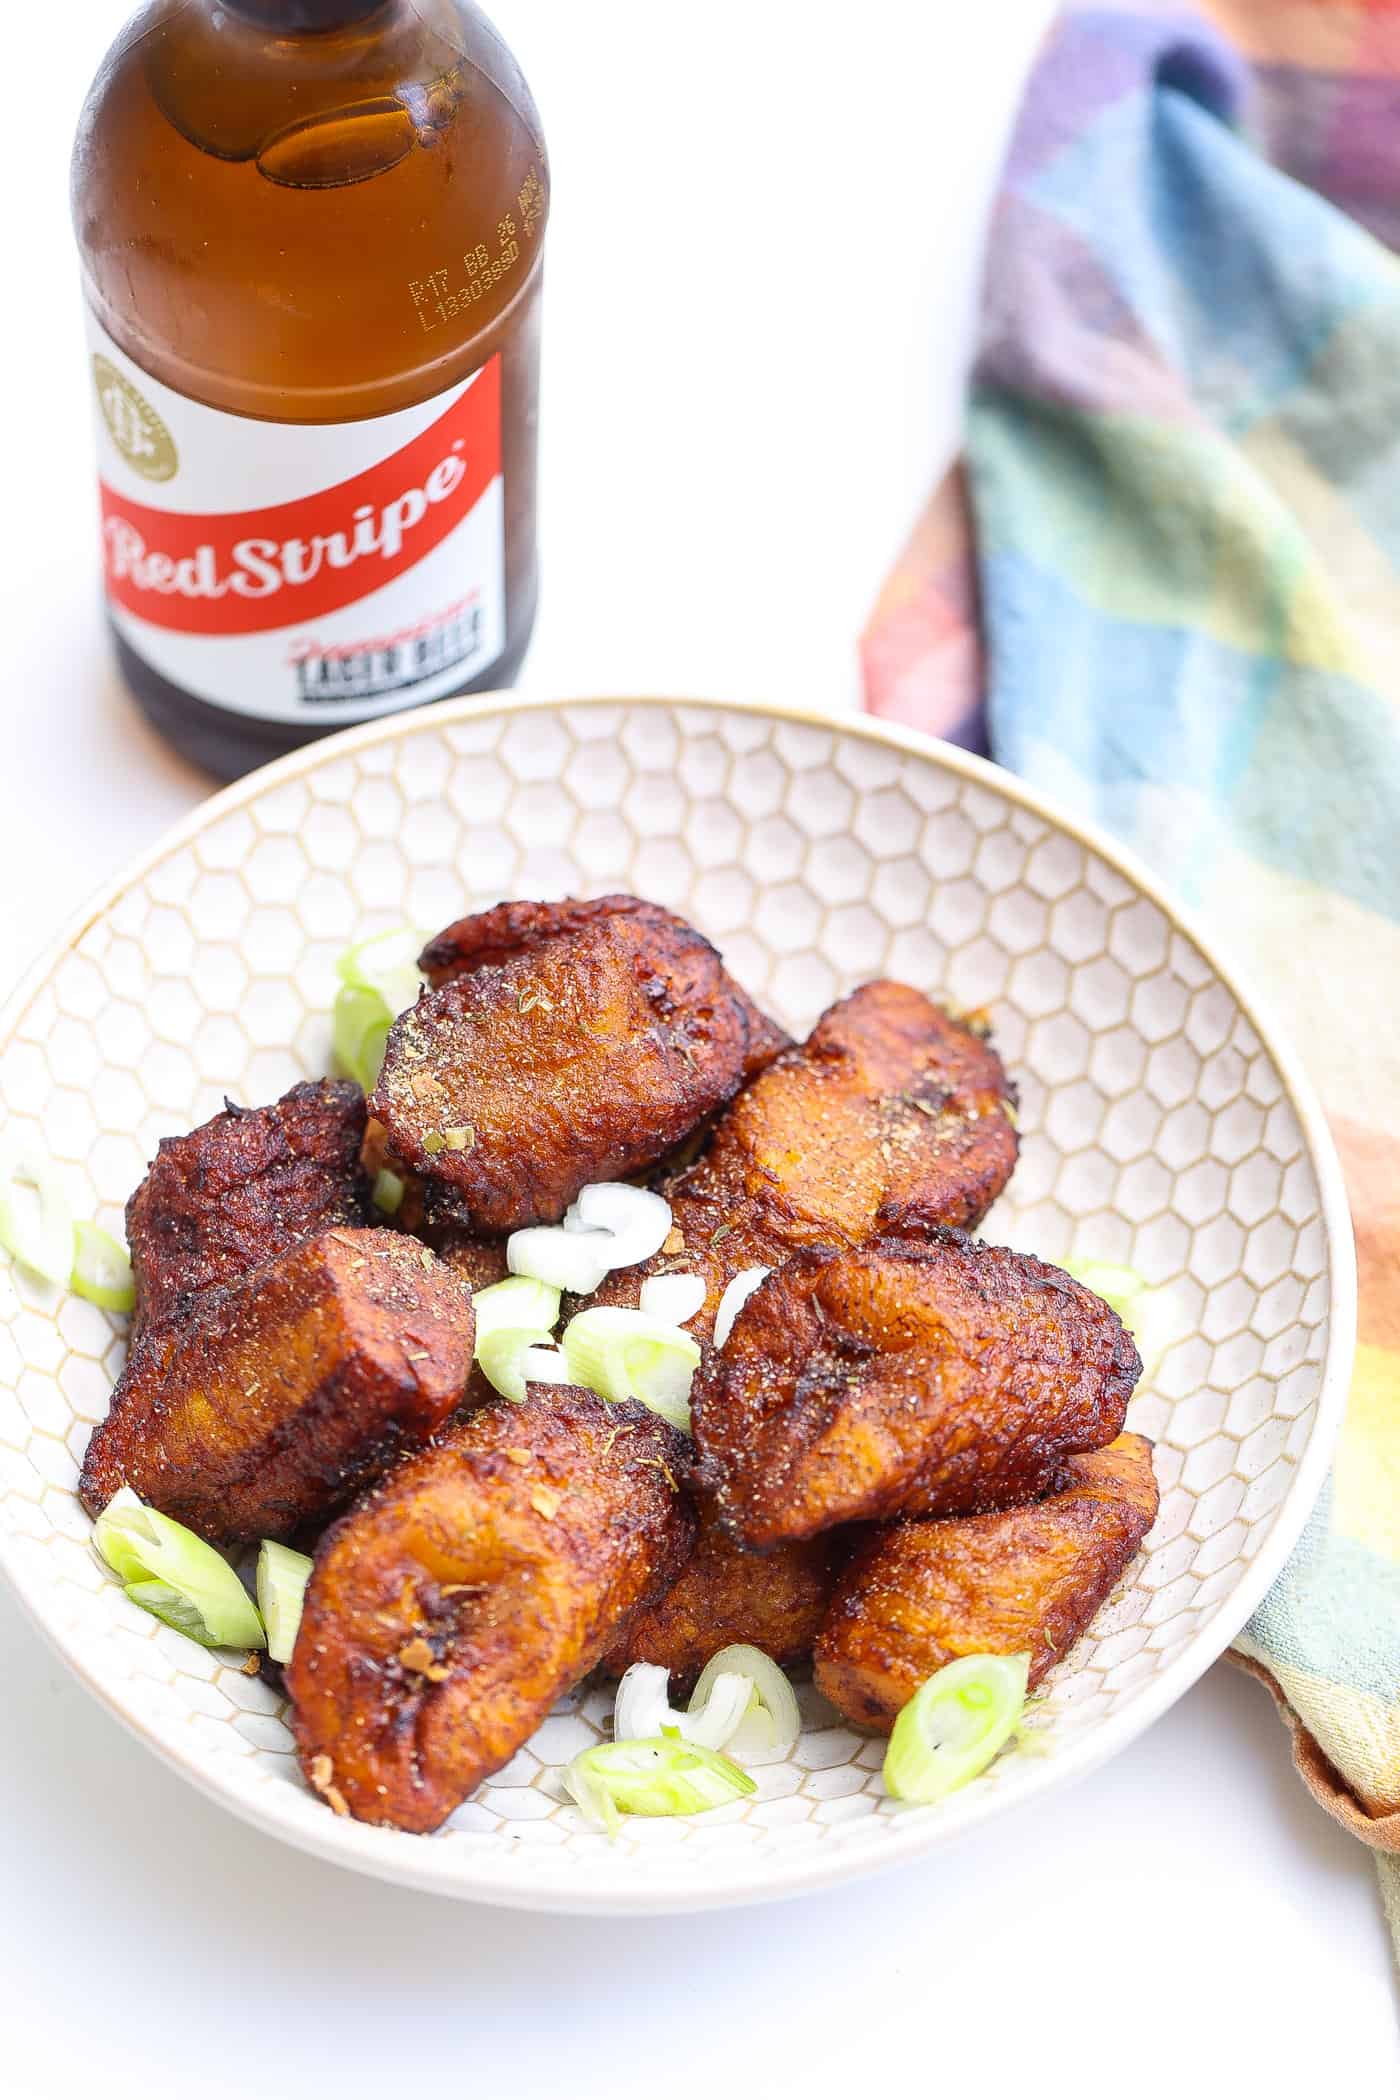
{"x": 918, "y": 1595}
{"x": 480, "y": 1262}
{"x": 283, "y": 1392}
{"x": 774, "y": 1601}
{"x": 891, "y": 1118}
{"x": 507, "y": 931}
{"x": 450, "y": 1609}
{"x": 604, "y": 1033}
{"x": 930, "y": 1379}
{"x": 246, "y": 1185}
{"x": 479, "y": 1257}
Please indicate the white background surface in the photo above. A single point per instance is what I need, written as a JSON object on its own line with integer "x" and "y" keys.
{"x": 762, "y": 270}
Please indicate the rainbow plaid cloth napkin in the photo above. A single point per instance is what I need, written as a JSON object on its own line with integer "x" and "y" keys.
{"x": 1165, "y": 585}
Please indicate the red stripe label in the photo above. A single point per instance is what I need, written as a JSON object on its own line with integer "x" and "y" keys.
{"x": 243, "y": 572}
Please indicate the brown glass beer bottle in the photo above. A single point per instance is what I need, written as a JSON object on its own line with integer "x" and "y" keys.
{"x": 311, "y": 235}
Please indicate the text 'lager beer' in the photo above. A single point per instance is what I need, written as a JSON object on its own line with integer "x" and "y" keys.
{"x": 311, "y": 235}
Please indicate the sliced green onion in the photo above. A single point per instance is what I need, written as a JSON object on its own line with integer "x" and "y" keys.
{"x": 771, "y": 1722}
{"x": 175, "y": 1609}
{"x": 659, "y": 1777}
{"x": 123, "y": 1537}
{"x": 1143, "y": 1307}
{"x": 379, "y": 978}
{"x": 674, "y": 1298}
{"x": 638, "y": 1220}
{"x": 954, "y": 1725}
{"x": 501, "y": 1353}
{"x": 609, "y": 1225}
{"x": 38, "y": 1229}
{"x": 387, "y": 1193}
{"x": 592, "y": 1796}
{"x": 737, "y": 1293}
{"x": 571, "y": 1260}
{"x": 517, "y": 1301}
{"x": 643, "y": 1707}
{"x": 387, "y": 963}
{"x": 360, "y": 1027}
{"x": 102, "y": 1269}
{"x": 623, "y": 1355}
{"x": 515, "y": 1322}
{"x": 282, "y": 1579}
{"x": 153, "y": 1554}
{"x": 36, "y": 1225}
{"x": 541, "y": 1366}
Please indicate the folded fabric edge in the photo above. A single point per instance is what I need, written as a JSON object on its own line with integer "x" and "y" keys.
{"x": 1321, "y": 1777}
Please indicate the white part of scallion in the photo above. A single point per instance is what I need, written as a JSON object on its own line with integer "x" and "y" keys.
{"x": 541, "y": 1366}
{"x": 674, "y": 1299}
{"x": 660, "y": 1777}
{"x": 771, "y": 1721}
{"x": 143, "y": 1546}
{"x": 516, "y": 1301}
{"x": 571, "y": 1261}
{"x": 281, "y": 1582}
{"x": 609, "y": 1225}
{"x": 643, "y": 1704}
{"x": 622, "y": 1355}
{"x": 638, "y": 1220}
{"x": 643, "y": 1707}
{"x": 36, "y": 1224}
{"x": 737, "y": 1293}
{"x": 954, "y": 1725}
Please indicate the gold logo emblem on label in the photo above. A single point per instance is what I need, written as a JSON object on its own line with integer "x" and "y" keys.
{"x": 137, "y": 431}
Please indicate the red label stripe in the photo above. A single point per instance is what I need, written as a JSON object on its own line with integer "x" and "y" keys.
{"x": 244, "y": 572}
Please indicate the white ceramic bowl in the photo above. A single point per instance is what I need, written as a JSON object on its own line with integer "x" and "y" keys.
{"x": 1161, "y": 1127}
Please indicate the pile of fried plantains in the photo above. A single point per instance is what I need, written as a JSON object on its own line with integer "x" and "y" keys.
{"x": 907, "y": 1449}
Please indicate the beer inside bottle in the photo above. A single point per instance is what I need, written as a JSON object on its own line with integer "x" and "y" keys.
{"x": 311, "y": 235}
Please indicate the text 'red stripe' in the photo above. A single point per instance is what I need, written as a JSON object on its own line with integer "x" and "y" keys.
{"x": 235, "y": 572}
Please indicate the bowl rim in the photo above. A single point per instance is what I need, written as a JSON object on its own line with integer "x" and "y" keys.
{"x": 384, "y": 1854}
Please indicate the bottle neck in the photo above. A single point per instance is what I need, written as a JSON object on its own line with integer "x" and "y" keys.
{"x": 292, "y": 16}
